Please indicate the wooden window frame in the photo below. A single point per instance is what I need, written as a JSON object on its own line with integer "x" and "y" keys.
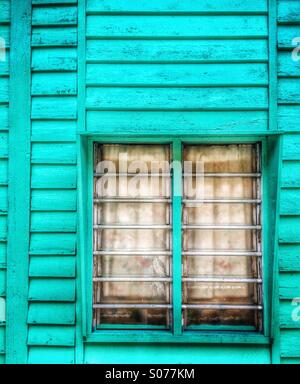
{"x": 214, "y": 334}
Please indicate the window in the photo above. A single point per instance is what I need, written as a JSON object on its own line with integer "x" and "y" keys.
{"x": 177, "y": 235}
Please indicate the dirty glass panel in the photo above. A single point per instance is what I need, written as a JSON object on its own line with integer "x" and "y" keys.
{"x": 132, "y": 236}
{"x": 222, "y": 258}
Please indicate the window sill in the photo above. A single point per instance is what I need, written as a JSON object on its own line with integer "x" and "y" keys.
{"x": 200, "y": 337}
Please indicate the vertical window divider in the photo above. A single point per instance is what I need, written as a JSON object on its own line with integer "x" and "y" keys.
{"x": 176, "y": 236}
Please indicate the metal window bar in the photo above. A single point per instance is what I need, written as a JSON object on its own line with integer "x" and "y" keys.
{"x": 100, "y": 251}
{"x": 255, "y": 253}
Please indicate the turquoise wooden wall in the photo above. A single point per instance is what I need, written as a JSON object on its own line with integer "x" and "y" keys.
{"x": 141, "y": 67}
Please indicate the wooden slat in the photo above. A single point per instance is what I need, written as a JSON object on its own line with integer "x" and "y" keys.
{"x": 3, "y": 252}
{"x": 54, "y": 153}
{"x": 290, "y": 202}
{"x": 46, "y": 2}
{"x": 4, "y": 11}
{"x": 286, "y": 34}
{"x": 53, "y": 130}
{"x": 2, "y": 311}
{"x": 4, "y": 89}
{"x": 290, "y": 360}
{"x": 2, "y": 282}
{"x": 2, "y": 340}
{"x": 54, "y": 108}
{"x": 48, "y": 84}
{"x": 288, "y": 11}
{"x": 177, "y": 74}
{"x": 51, "y": 313}
{"x": 3, "y": 199}
{"x": 4, "y": 64}
{"x": 52, "y": 266}
{"x": 53, "y": 176}
{"x": 289, "y": 117}
{"x": 3, "y": 144}
{"x": 290, "y": 346}
{"x": 53, "y": 222}
{"x": 53, "y": 355}
{"x": 288, "y": 314}
{"x": 5, "y": 34}
{"x": 3, "y": 171}
{"x": 3, "y": 228}
{"x": 288, "y": 91}
{"x": 291, "y": 147}
{"x": 289, "y": 257}
{"x": 291, "y": 174}
{"x": 169, "y": 6}
{"x": 176, "y": 98}
{"x": 55, "y": 15}
{"x": 289, "y": 229}
{"x": 52, "y": 244}
{"x": 3, "y": 117}
{"x": 54, "y": 59}
{"x": 179, "y": 122}
{"x": 51, "y": 290}
{"x": 289, "y": 285}
{"x": 286, "y": 66}
{"x": 172, "y": 51}
{"x": 56, "y": 37}
{"x": 180, "y": 26}
{"x": 51, "y": 335}
{"x": 53, "y": 200}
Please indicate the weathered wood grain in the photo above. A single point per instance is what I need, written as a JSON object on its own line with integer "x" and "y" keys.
{"x": 53, "y": 130}
{"x": 291, "y": 174}
{"x": 289, "y": 257}
{"x": 288, "y": 313}
{"x": 53, "y": 244}
{"x": 55, "y": 15}
{"x": 290, "y": 346}
{"x": 53, "y": 200}
{"x": 54, "y": 59}
{"x": 56, "y": 37}
{"x": 53, "y": 355}
{"x": 52, "y": 266}
{"x": 54, "y": 108}
{"x": 53, "y": 222}
{"x": 288, "y": 11}
{"x": 51, "y": 290}
{"x": 51, "y": 313}
{"x": 54, "y": 153}
{"x": 289, "y": 285}
{"x": 53, "y": 176}
{"x": 51, "y": 335}
{"x": 179, "y": 26}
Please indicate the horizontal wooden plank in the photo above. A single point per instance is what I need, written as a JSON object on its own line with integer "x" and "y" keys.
{"x": 176, "y": 98}
{"x": 53, "y": 130}
{"x": 289, "y": 285}
{"x": 53, "y": 176}
{"x": 51, "y": 355}
{"x": 177, "y": 74}
{"x": 53, "y": 200}
{"x": 3, "y": 199}
{"x": 4, "y": 63}
{"x": 52, "y": 244}
{"x": 51, "y": 313}
{"x": 291, "y": 147}
{"x": 290, "y": 343}
{"x": 46, "y": 2}
{"x": 52, "y": 266}
{"x": 289, "y": 312}
{"x": 51, "y": 290}
{"x": 170, "y": 6}
{"x": 51, "y": 335}
{"x": 54, "y": 36}
{"x": 175, "y": 122}
{"x": 290, "y": 360}
{"x": 55, "y": 15}
{"x": 3, "y": 228}
{"x": 2, "y": 281}
{"x": 289, "y": 257}
{"x": 289, "y": 118}
{"x": 4, "y": 11}
{"x": 289, "y": 229}
{"x": 54, "y": 153}
{"x": 286, "y": 66}
{"x": 54, "y": 59}
{"x": 2, "y": 340}
{"x": 288, "y": 91}
{"x": 3, "y": 252}
{"x": 2, "y": 310}
{"x": 286, "y": 34}
{"x": 54, "y": 107}
{"x": 176, "y": 26}
{"x": 288, "y": 11}
{"x": 48, "y": 84}
{"x": 3, "y": 117}
{"x": 53, "y": 222}
{"x": 3, "y": 144}
{"x": 3, "y": 171}
{"x": 4, "y": 83}
{"x": 176, "y": 51}
{"x": 290, "y": 174}
{"x": 290, "y": 202}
